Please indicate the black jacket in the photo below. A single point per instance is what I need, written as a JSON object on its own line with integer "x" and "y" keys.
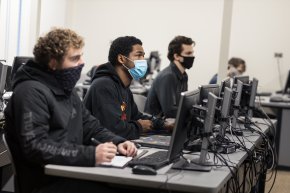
{"x": 164, "y": 94}
{"x": 45, "y": 126}
{"x": 104, "y": 99}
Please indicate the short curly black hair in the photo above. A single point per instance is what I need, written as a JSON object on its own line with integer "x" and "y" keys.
{"x": 175, "y": 46}
{"x": 122, "y": 45}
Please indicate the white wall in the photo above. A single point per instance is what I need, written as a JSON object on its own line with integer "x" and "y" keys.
{"x": 52, "y": 14}
{"x": 28, "y": 27}
{"x": 260, "y": 28}
{"x": 9, "y": 15}
{"x": 21, "y": 22}
{"x": 155, "y": 22}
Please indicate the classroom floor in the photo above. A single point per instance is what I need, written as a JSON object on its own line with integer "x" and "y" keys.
{"x": 282, "y": 183}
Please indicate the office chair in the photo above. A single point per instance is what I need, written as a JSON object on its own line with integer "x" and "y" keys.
{"x": 140, "y": 101}
{"x": 16, "y": 186}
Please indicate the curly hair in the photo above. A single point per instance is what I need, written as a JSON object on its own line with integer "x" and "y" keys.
{"x": 55, "y": 45}
{"x": 175, "y": 46}
{"x": 122, "y": 45}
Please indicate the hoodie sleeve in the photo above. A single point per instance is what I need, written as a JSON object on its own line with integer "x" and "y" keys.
{"x": 158, "y": 123}
{"x": 32, "y": 115}
{"x": 103, "y": 102}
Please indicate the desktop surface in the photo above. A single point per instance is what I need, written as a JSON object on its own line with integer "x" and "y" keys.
{"x": 166, "y": 178}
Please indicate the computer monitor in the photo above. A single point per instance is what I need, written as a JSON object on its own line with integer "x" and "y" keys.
{"x": 182, "y": 123}
{"x": 206, "y": 89}
{"x": 3, "y": 73}
{"x": 8, "y": 84}
{"x": 226, "y": 103}
{"x": 225, "y": 110}
{"x": 254, "y": 87}
{"x": 154, "y": 62}
{"x": 208, "y": 125}
{"x": 226, "y": 83}
{"x": 238, "y": 94}
{"x": 200, "y": 164}
{"x": 18, "y": 62}
{"x": 248, "y": 98}
{"x": 243, "y": 79}
{"x": 287, "y": 85}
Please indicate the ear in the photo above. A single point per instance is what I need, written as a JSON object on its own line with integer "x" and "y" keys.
{"x": 121, "y": 59}
{"x": 52, "y": 64}
{"x": 176, "y": 57}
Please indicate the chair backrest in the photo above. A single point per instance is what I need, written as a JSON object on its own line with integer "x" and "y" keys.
{"x": 140, "y": 101}
{"x": 16, "y": 187}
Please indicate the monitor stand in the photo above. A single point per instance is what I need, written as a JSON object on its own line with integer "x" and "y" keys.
{"x": 184, "y": 164}
{"x": 199, "y": 164}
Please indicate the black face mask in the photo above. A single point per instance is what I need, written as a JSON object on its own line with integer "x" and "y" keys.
{"x": 68, "y": 78}
{"x": 187, "y": 61}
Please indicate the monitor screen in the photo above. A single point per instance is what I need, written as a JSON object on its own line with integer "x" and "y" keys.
{"x": 179, "y": 136}
{"x": 18, "y": 62}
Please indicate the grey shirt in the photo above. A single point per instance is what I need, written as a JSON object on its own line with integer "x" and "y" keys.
{"x": 164, "y": 94}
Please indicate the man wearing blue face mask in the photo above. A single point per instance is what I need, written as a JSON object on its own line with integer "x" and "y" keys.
{"x": 164, "y": 94}
{"x": 109, "y": 97}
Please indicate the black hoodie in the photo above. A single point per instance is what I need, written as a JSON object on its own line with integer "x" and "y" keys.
{"x": 46, "y": 126}
{"x": 105, "y": 98}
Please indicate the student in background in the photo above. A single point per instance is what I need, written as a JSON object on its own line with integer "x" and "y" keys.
{"x": 164, "y": 94}
{"x": 46, "y": 123}
{"x": 236, "y": 66}
{"x": 109, "y": 97}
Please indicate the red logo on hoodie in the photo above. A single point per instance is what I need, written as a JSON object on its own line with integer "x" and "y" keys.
{"x": 123, "y": 109}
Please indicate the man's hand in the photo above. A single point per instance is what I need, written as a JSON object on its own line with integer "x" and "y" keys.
{"x": 146, "y": 124}
{"x": 105, "y": 152}
{"x": 127, "y": 148}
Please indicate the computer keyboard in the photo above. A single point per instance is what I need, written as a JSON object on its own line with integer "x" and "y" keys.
{"x": 155, "y": 160}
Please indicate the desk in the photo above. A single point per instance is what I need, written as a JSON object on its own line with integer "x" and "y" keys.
{"x": 283, "y": 130}
{"x": 214, "y": 181}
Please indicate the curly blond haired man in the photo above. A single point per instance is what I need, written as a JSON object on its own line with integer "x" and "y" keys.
{"x": 46, "y": 122}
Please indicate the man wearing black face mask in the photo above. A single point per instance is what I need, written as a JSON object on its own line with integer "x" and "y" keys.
{"x": 164, "y": 94}
{"x": 46, "y": 123}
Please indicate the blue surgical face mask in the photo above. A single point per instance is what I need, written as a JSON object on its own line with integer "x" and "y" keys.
{"x": 139, "y": 70}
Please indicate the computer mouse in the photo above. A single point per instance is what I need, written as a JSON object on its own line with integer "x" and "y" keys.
{"x": 143, "y": 170}
{"x": 276, "y": 98}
